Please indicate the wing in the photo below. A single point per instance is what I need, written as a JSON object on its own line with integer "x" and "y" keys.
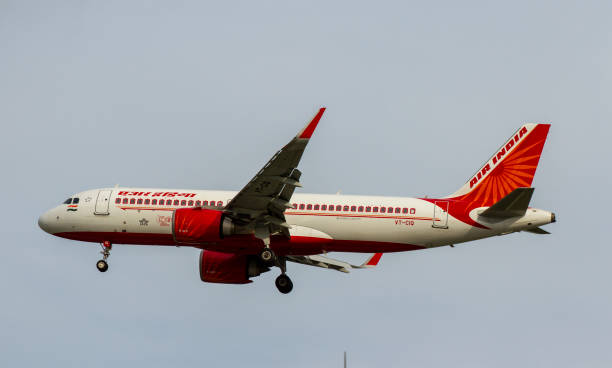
{"x": 261, "y": 204}
{"x": 334, "y": 264}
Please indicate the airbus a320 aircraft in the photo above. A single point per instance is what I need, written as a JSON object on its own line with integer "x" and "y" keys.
{"x": 242, "y": 234}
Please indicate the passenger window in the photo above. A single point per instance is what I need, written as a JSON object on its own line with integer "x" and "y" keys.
{"x": 198, "y": 203}
{"x": 309, "y": 207}
{"x": 154, "y": 202}
{"x": 125, "y": 200}
{"x": 190, "y": 203}
{"x": 68, "y": 201}
{"x": 323, "y": 207}
{"x": 176, "y": 202}
{"x": 339, "y": 208}
{"x": 147, "y": 201}
{"x": 183, "y": 202}
{"x": 412, "y": 211}
{"x": 383, "y": 209}
{"x": 302, "y": 206}
{"x": 374, "y": 209}
{"x": 133, "y": 201}
{"x": 368, "y": 209}
{"x": 294, "y": 206}
{"x": 139, "y": 200}
{"x": 353, "y": 208}
{"x": 316, "y": 207}
{"x": 397, "y": 210}
{"x": 220, "y": 203}
{"x": 118, "y": 200}
{"x": 360, "y": 208}
{"x": 331, "y": 207}
{"x": 390, "y": 209}
{"x": 404, "y": 210}
{"x": 346, "y": 208}
{"x": 204, "y": 203}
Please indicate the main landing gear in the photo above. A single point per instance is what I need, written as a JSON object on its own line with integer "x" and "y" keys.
{"x": 267, "y": 255}
{"x": 101, "y": 264}
{"x": 283, "y": 282}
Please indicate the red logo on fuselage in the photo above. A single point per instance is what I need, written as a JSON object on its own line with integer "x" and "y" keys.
{"x": 157, "y": 194}
{"x": 164, "y": 220}
{"x": 498, "y": 157}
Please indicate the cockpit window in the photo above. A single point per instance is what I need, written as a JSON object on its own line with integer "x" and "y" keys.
{"x": 75, "y": 200}
{"x": 68, "y": 201}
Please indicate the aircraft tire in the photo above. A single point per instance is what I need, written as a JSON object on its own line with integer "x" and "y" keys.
{"x": 102, "y": 266}
{"x": 266, "y": 255}
{"x": 284, "y": 284}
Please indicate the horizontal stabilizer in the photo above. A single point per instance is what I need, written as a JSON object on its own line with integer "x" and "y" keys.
{"x": 537, "y": 230}
{"x": 514, "y": 204}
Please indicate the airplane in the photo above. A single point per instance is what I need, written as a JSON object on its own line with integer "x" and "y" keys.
{"x": 243, "y": 234}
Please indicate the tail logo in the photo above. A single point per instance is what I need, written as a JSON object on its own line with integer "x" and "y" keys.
{"x": 499, "y": 156}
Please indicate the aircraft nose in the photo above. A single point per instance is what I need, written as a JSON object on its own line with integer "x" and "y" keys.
{"x": 44, "y": 222}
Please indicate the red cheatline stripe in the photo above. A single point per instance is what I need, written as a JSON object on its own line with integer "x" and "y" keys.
{"x": 306, "y": 214}
{"x": 364, "y": 216}
{"x": 149, "y": 208}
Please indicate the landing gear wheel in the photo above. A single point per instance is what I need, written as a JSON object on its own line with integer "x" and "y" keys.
{"x": 102, "y": 265}
{"x": 266, "y": 255}
{"x": 284, "y": 284}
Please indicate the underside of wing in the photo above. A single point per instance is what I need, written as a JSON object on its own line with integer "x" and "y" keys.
{"x": 334, "y": 264}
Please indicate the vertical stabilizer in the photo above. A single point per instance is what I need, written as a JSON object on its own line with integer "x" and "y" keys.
{"x": 512, "y": 166}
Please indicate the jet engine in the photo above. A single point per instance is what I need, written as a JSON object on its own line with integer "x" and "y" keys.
{"x": 198, "y": 225}
{"x": 228, "y": 268}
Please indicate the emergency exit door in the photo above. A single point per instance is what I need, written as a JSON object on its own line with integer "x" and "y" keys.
{"x": 102, "y": 202}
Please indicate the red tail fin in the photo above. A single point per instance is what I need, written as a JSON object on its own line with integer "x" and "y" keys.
{"x": 511, "y": 167}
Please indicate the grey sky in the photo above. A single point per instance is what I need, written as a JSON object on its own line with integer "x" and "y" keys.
{"x": 201, "y": 94}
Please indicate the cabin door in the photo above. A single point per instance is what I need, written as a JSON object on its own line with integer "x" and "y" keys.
{"x": 102, "y": 202}
{"x": 440, "y": 216}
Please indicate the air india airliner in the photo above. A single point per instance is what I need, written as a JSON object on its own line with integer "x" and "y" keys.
{"x": 264, "y": 225}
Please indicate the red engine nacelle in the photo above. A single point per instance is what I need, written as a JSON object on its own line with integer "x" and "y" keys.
{"x": 227, "y": 268}
{"x": 197, "y": 225}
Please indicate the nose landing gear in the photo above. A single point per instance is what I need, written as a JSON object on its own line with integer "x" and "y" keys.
{"x": 106, "y": 248}
{"x": 102, "y": 265}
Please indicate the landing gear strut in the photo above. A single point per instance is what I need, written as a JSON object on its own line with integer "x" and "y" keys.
{"x": 106, "y": 248}
{"x": 283, "y": 282}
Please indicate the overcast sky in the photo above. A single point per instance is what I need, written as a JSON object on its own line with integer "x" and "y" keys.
{"x": 194, "y": 94}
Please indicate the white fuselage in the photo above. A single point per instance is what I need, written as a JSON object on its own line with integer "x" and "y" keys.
{"x": 135, "y": 216}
